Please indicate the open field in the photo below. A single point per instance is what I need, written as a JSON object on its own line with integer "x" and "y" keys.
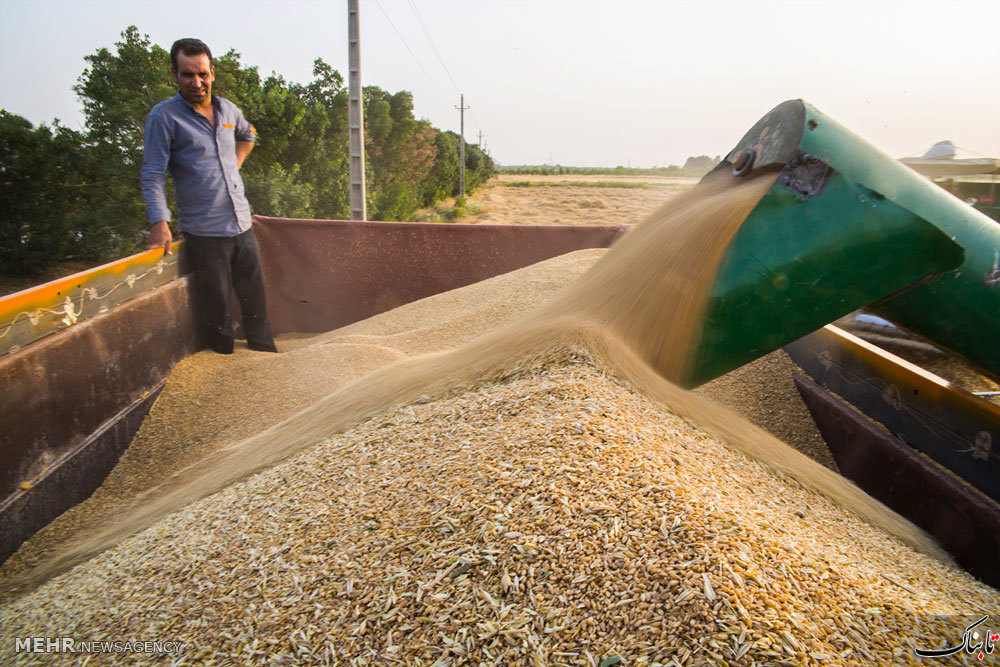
{"x": 515, "y": 199}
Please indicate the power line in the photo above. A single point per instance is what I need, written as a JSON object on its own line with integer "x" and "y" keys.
{"x": 412, "y": 54}
{"x": 427, "y": 33}
{"x": 969, "y": 150}
{"x": 430, "y": 39}
{"x": 475, "y": 120}
{"x": 437, "y": 53}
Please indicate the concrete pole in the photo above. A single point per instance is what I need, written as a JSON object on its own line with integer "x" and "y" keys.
{"x": 355, "y": 117}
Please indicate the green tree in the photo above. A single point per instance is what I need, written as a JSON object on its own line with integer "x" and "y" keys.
{"x": 64, "y": 192}
{"x": 117, "y": 91}
{"x": 321, "y": 141}
{"x": 400, "y": 154}
{"x": 479, "y": 167}
{"x": 41, "y": 194}
{"x": 443, "y": 179}
{"x": 280, "y": 193}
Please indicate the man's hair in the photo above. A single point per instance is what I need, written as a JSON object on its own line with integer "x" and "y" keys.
{"x": 189, "y": 47}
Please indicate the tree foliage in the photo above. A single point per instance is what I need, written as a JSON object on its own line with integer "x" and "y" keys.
{"x": 41, "y": 188}
{"x": 64, "y": 193}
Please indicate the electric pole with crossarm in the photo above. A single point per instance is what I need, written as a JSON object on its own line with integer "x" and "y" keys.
{"x": 461, "y": 148}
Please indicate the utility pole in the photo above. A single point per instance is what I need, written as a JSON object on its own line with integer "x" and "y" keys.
{"x": 480, "y": 142}
{"x": 356, "y": 120}
{"x": 461, "y": 149}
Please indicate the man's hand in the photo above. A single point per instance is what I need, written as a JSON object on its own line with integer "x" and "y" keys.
{"x": 160, "y": 237}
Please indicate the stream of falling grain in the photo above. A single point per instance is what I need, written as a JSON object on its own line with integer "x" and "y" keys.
{"x": 637, "y": 310}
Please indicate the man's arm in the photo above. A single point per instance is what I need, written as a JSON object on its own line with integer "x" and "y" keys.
{"x": 155, "y": 156}
{"x": 243, "y": 149}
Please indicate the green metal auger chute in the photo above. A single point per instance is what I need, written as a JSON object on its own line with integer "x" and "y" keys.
{"x": 845, "y": 226}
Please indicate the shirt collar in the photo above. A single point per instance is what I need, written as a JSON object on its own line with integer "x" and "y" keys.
{"x": 215, "y": 102}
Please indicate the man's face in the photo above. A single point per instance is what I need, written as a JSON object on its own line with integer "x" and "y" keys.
{"x": 194, "y": 76}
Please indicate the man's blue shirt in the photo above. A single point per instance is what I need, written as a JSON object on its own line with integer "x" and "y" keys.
{"x": 202, "y": 160}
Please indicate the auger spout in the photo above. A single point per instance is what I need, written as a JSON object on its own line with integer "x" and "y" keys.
{"x": 845, "y": 226}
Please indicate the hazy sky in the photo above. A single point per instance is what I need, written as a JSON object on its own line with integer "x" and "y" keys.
{"x": 585, "y": 82}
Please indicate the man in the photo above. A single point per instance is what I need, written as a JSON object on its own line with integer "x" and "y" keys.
{"x": 203, "y": 140}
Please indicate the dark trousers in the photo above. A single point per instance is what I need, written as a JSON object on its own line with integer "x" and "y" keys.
{"x": 222, "y": 265}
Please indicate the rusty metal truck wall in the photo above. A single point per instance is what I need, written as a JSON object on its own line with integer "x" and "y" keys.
{"x": 325, "y": 274}
{"x": 65, "y": 399}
